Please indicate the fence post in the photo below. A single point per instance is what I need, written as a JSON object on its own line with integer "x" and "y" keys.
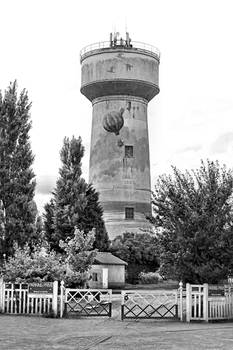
{"x": 205, "y": 302}
{"x": 62, "y": 299}
{"x": 55, "y": 298}
{"x": 181, "y": 300}
{"x": 110, "y": 302}
{"x": 188, "y": 302}
{"x": 122, "y": 304}
{"x": 1, "y": 295}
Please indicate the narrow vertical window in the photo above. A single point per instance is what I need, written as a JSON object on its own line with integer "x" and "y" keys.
{"x": 129, "y": 213}
{"x": 128, "y": 151}
{"x": 95, "y": 277}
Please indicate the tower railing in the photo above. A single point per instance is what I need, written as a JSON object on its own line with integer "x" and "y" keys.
{"x": 119, "y": 43}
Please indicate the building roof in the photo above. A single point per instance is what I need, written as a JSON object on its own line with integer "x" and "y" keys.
{"x": 108, "y": 259}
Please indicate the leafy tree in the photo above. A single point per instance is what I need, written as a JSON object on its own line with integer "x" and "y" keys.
{"x": 193, "y": 221}
{"x": 70, "y": 190}
{"x": 75, "y": 203}
{"x": 79, "y": 256}
{"x": 138, "y": 250}
{"x": 41, "y": 265}
{"x": 17, "y": 185}
{"x": 40, "y": 238}
{"x": 36, "y": 266}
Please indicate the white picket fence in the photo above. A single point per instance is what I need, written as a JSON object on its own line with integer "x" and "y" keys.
{"x": 221, "y": 307}
{"x": 17, "y": 299}
{"x": 203, "y": 302}
{"x": 194, "y": 303}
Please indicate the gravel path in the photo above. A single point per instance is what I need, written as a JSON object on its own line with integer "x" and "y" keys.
{"x": 29, "y": 333}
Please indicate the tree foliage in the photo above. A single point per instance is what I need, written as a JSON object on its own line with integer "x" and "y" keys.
{"x": 138, "y": 250}
{"x": 43, "y": 265}
{"x": 193, "y": 220}
{"x": 34, "y": 266}
{"x": 48, "y": 219}
{"x": 79, "y": 256}
{"x": 17, "y": 185}
{"x": 75, "y": 203}
{"x": 92, "y": 217}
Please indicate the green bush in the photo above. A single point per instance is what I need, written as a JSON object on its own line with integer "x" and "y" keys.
{"x": 139, "y": 251}
{"x": 75, "y": 279}
{"x": 41, "y": 265}
{"x": 37, "y": 266}
{"x": 148, "y": 277}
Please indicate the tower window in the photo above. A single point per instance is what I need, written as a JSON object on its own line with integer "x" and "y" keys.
{"x": 95, "y": 277}
{"x": 128, "y": 151}
{"x": 129, "y": 213}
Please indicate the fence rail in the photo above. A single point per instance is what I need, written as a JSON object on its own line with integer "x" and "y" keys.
{"x": 220, "y": 308}
{"x": 140, "y": 46}
{"x": 195, "y": 302}
{"x": 149, "y": 304}
{"x": 88, "y": 302}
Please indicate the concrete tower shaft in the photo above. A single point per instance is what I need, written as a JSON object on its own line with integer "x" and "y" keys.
{"x": 119, "y": 78}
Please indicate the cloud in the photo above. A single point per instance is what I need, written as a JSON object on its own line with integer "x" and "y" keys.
{"x": 41, "y": 200}
{"x": 194, "y": 148}
{"x": 222, "y": 143}
{"x": 45, "y": 184}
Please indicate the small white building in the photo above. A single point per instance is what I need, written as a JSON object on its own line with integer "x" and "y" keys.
{"x": 108, "y": 271}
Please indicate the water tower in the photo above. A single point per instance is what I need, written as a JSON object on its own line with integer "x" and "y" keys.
{"x": 120, "y": 77}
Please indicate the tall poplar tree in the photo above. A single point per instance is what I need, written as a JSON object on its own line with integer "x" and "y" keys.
{"x": 70, "y": 190}
{"x": 48, "y": 218}
{"x": 17, "y": 185}
{"x": 75, "y": 203}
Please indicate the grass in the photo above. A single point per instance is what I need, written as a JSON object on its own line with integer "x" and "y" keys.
{"x": 170, "y": 284}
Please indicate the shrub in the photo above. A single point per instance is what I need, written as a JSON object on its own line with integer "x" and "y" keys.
{"x": 38, "y": 266}
{"x": 149, "y": 277}
{"x": 75, "y": 279}
{"x": 139, "y": 251}
{"x": 41, "y": 265}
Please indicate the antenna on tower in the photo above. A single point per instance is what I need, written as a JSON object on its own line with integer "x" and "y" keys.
{"x": 111, "y": 41}
{"x": 127, "y": 39}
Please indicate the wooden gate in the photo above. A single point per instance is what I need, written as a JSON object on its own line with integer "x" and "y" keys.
{"x": 149, "y": 304}
{"x": 17, "y": 298}
{"x": 88, "y": 302}
{"x": 196, "y": 302}
{"x": 209, "y": 302}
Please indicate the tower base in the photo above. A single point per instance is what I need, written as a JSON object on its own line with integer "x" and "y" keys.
{"x": 116, "y": 224}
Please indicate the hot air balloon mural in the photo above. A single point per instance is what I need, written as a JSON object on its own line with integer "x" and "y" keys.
{"x": 113, "y": 121}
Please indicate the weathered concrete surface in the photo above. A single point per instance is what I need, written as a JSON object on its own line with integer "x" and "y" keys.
{"x": 29, "y": 333}
{"x": 120, "y": 82}
{"x": 101, "y": 67}
{"x": 121, "y": 181}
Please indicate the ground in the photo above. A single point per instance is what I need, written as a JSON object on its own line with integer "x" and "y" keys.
{"x": 39, "y": 333}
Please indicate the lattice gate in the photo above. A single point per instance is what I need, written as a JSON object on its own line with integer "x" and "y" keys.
{"x": 88, "y": 302}
{"x": 149, "y": 304}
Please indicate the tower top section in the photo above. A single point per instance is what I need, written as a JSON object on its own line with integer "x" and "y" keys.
{"x": 120, "y": 67}
{"x": 117, "y": 42}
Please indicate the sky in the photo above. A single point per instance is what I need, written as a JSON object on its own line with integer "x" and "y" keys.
{"x": 191, "y": 118}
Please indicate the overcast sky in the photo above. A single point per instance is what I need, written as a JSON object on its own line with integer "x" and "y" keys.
{"x": 191, "y": 118}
